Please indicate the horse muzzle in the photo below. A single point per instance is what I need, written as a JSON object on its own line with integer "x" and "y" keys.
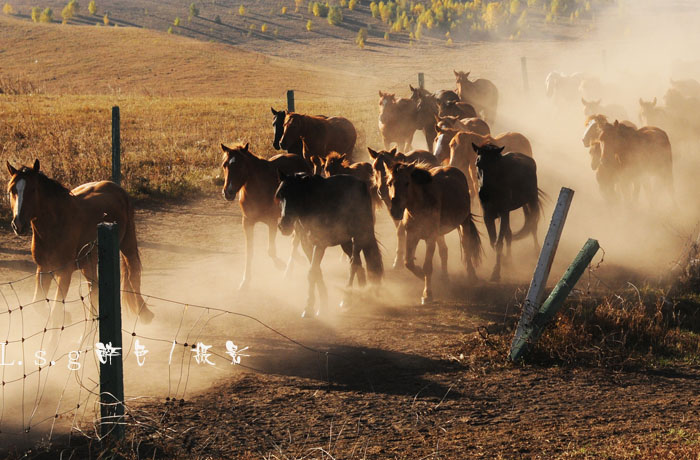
{"x": 286, "y": 226}
{"x": 228, "y": 196}
{"x": 396, "y": 210}
{"x": 276, "y": 145}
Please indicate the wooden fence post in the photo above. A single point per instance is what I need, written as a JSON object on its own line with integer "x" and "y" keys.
{"x": 110, "y": 323}
{"x": 544, "y": 265}
{"x": 421, "y": 80}
{"x": 116, "y": 147}
{"x": 556, "y": 299}
{"x": 523, "y": 68}
{"x": 290, "y": 100}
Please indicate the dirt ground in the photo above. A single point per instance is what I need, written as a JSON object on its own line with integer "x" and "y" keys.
{"x": 386, "y": 379}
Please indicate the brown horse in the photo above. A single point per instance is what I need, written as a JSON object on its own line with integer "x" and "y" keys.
{"x": 397, "y": 120}
{"x": 508, "y": 182}
{"x": 427, "y": 108}
{"x": 463, "y": 155}
{"x": 384, "y": 160}
{"x": 336, "y": 163}
{"x": 257, "y": 180}
{"x": 481, "y": 93}
{"x": 591, "y": 108}
{"x": 475, "y": 125}
{"x": 457, "y": 109}
{"x": 323, "y": 135}
{"x": 333, "y": 211}
{"x": 640, "y": 154}
{"x": 432, "y": 203}
{"x": 64, "y": 225}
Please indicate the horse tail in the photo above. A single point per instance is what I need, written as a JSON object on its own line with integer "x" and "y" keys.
{"x": 470, "y": 242}
{"x": 131, "y": 270}
{"x": 533, "y": 211}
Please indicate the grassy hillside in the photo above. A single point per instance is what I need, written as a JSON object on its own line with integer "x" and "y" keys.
{"x": 124, "y": 60}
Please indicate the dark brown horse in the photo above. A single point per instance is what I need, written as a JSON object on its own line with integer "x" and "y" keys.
{"x": 427, "y": 108}
{"x": 336, "y": 163}
{"x": 257, "y": 180}
{"x": 64, "y": 227}
{"x": 475, "y": 125}
{"x": 397, "y": 120}
{"x": 481, "y": 93}
{"x": 333, "y": 211}
{"x": 322, "y": 135}
{"x": 463, "y": 155}
{"x": 457, "y": 109}
{"x": 432, "y": 203}
{"x": 508, "y": 182}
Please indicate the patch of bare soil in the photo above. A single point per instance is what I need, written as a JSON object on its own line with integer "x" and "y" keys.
{"x": 385, "y": 379}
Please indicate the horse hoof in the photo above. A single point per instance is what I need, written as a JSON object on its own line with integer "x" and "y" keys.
{"x": 426, "y": 300}
{"x": 345, "y": 304}
{"x": 245, "y": 284}
{"x": 496, "y": 277}
{"x": 307, "y": 314}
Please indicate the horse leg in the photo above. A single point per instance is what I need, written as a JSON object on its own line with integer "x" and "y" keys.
{"x": 400, "y": 244}
{"x": 505, "y": 224}
{"x": 248, "y": 226}
{"x": 89, "y": 271}
{"x": 428, "y": 271}
{"x": 272, "y": 247}
{"x": 490, "y": 223}
{"x": 353, "y": 251}
{"x": 58, "y": 310}
{"x": 410, "y": 256}
{"x": 315, "y": 277}
{"x": 41, "y": 291}
{"x": 442, "y": 251}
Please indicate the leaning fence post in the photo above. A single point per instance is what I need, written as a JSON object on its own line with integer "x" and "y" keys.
{"x": 421, "y": 80}
{"x": 556, "y": 298}
{"x": 110, "y": 324}
{"x": 290, "y": 100}
{"x": 523, "y": 68}
{"x": 544, "y": 265}
{"x": 116, "y": 147}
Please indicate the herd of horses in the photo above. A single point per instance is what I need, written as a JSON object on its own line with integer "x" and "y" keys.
{"x": 320, "y": 195}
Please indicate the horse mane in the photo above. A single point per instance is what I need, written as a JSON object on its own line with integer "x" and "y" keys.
{"x": 335, "y": 156}
{"x": 51, "y": 185}
{"x": 598, "y": 118}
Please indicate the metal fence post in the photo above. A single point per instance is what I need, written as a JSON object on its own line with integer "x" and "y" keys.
{"x": 116, "y": 147}
{"x": 110, "y": 324}
{"x": 290, "y": 100}
{"x": 421, "y": 80}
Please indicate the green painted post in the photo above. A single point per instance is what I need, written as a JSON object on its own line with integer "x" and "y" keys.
{"x": 556, "y": 299}
{"x": 111, "y": 372}
{"x": 290, "y": 100}
{"x": 421, "y": 80}
{"x": 116, "y": 147}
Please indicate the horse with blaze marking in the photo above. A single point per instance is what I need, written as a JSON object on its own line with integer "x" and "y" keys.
{"x": 64, "y": 224}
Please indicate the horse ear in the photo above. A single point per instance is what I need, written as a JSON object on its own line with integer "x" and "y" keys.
{"x": 224, "y": 148}
{"x": 393, "y": 151}
{"x": 466, "y": 74}
{"x": 500, "y": 151}
{"x": 584, "y": 102}
{"x": 641, "y": 102}
{"x": 456, "y": 73}
{"x": 274, "y": 112}
{"x": 421, "y": 176}
{"x": 654, "y": 103}
{"x": 380, "y": 93}
{"x": 616, "y": 124}
{"x": 10, "y": 168}
{"x": 475, "y": 147}
{"x": 372, "y": 153}
{"x": 281, "y": 175}
{"x": 36, "y": 165}
{"x": 246, "y": 146}
{"x": 412, "y": 88}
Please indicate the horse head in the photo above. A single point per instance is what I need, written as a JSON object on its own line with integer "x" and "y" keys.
{"x": 401, "y": 178}
{"x": 292, "y": 130}
{"x": 488, "y": 162}
{"x": 380, "y": 161}
{"x": 235, "y": 169}
{"x": 334, "y": 163}
{"x": 594, "y": 125}
{"x": 24, "y": 197}
{"x": 590, "y": 107}
{"x": 441, "y": 145}
{"x": 278, "y": 117}
{"x": 291, "y": 194}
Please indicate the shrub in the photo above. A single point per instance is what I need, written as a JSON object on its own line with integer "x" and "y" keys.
{"x": 92, "y": 8}
{"x": 105, "y": 19}
{"x": 374, "y": 8}
{"x": 36, "y": 13}
{"x": 309, "y": 25}
{"x": 194, "y": 11}
{"x": 46, "y": 15}
{"x": 298, "y": 4}
{"x": 514, "y": 7}
{"x": 335, "y": 15}
{"x": 320, "y": 10}
{"x": 352, "y": 4}
{"x": 386, "y": 36}
{"x": 217, "y": 19}
{"x": 170, "y": 29}
{"x": 69, "y": 10}
{"x": 241, "y": 10}
{"x": 176, "y": 22}
{"x": 7, "y": 9}
{"x": 494, "y": 16}
{"x": 343, "y": 3}
{"x": 275, "y": 32}
{"x": 361, "y": 37}
{"x": 263, "y": 28}
{"x": 284, "y": 10}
